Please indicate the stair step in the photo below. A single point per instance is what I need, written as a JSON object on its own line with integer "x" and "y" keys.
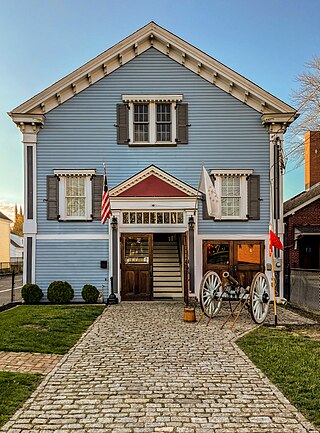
{"x": 166, "y": 273}
{"x": 165, "y": 259}
{"x": 167, "y": 283}
{"x": 166, "y": 279}
{"x": 166, "y": 290}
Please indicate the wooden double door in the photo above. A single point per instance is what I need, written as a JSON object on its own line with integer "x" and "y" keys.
{"x": 136, "y": 266}
{"x": 242, "y": 259}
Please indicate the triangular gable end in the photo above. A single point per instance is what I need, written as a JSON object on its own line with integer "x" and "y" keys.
{"x": 152, "y": 36}
{"x": 153, "y": 182}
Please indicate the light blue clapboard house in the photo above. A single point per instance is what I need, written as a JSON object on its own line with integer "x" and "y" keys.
{"x": 153, "y": 108}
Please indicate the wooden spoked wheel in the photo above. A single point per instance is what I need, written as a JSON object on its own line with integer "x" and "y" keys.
{"x": 211, "y": 294}
{"x": 259, "y": 297}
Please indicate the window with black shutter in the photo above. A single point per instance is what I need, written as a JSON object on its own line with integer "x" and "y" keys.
{"x": 152, "y": 120}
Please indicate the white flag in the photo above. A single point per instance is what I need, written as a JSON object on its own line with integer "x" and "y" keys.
{"x": 212, "y": 199}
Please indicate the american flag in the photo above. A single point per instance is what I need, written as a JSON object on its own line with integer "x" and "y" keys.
{"x": 105, "y": 205}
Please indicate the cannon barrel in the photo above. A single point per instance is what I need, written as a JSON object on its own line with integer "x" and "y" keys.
{"x": 231, "y": 280}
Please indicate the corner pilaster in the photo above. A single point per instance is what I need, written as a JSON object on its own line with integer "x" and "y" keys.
{"x": 29, "y": 125}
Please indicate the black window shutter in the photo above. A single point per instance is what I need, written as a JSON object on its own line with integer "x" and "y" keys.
{"x": 97, "y": 186}
{"x": 52, "y": 198}
{"x": 182, "y": 123}
{"x": 123, "y": 123}
{"x": 254, "y": 197}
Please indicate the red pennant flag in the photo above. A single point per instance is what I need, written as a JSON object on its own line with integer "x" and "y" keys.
{"x": 274, "y": 241}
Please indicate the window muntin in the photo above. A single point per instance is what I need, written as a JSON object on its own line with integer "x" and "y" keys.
{"x": 230, "y": 196}
{"x": 136, "y": 250}
{"x": 159, "y": 218}
{"x": 75, "y": 196}
{"x": 218, "y": 253}
{"x": 163, "y": 122}
{"x": 152, "y": 119}
{"x": 141, "y": 122}
{"x": 249, "y": 254}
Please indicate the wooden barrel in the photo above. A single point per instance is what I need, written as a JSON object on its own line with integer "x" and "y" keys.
{"x": 189, "y": 314}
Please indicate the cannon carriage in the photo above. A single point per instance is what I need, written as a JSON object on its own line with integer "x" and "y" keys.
{"x": 255, "y": 297}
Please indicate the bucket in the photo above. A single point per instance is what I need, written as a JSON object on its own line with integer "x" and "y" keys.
{"x": 189, "y": 314}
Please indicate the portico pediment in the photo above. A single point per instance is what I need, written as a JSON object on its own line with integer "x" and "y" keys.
{"x": 153, "y": 182}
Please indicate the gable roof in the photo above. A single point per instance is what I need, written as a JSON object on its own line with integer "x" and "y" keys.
{"x": 301, "y": 200}
{"x": 153, "y": 35}
{"x": 14, "y": 244}
{"x": 4, "y": 217}
{"x": 153, "y": 182}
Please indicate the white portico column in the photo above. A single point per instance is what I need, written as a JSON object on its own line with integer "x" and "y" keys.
{"x": 29, "y": 125}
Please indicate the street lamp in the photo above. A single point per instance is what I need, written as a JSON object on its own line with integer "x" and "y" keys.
{"x": 112, "y": 298}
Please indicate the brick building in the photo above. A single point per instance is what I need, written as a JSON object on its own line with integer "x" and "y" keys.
{"x": 302, "y": 216}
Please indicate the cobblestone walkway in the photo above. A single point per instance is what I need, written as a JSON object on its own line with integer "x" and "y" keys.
{"x": 28, "y": 362}
{"x": 141, "y": 369}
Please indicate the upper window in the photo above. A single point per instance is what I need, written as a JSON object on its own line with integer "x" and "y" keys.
{"x": 152, "y": 120}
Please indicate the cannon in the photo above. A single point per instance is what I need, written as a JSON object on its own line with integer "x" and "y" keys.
{"x": 213, "y": 292}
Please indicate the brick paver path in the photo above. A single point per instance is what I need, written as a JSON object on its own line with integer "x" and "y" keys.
{"x": 28, "y": 362}
{"x": 141, "y": 369}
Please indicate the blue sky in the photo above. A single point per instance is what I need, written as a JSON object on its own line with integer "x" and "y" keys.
{"x": 41, "y": 41}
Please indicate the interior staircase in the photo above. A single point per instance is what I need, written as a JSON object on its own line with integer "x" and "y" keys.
{"x": 167, "y": 279}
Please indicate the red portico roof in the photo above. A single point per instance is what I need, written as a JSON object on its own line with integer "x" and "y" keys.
{"x": 152, "y": 186}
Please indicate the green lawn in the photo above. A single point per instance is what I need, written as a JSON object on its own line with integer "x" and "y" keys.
{"x": 45, "y": 328}
{"x": 15, "y": 388}
{"x": 291, "y": 360}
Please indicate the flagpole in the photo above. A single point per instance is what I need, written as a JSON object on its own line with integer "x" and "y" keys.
{"x": 273, "y": 279}
{"x": 199, "y": 183}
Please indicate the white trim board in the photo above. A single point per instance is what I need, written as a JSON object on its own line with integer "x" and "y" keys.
{"x": 75, "y": 237}
{"x": 232, "y": 237}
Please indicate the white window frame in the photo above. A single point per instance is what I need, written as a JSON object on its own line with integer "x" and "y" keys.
{"x": 243, "y": 175}
{"x": 152, "y": 101}
{"x": 63, "y": 175}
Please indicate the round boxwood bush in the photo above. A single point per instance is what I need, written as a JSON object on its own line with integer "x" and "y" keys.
{"x": 90, "y": 294}
{"x": 31, "y": 294}
{"x": 60, "y": 292}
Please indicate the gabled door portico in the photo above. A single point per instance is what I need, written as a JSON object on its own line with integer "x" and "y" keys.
{"x": 152, "y": 209}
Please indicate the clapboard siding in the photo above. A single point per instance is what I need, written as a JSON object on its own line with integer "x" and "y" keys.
{"x": 75, "y": 261}
{"x": 224, "y": 132}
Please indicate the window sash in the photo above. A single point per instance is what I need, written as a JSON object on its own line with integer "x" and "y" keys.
{"x": 231, "y": 196}
{"x": 75, "y": 196}
{"x": 140, "y": 122}
{"x": 152, "y": 123}
{"x": 163, "y": 122}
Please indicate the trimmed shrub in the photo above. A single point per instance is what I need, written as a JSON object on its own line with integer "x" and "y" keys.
{"x": 60, "y": 292}
{"x": 31, "y": 294}
{"x": 90, "y": 294}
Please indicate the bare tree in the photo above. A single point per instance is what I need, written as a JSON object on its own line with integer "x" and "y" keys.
{"x": 307, "y": 100}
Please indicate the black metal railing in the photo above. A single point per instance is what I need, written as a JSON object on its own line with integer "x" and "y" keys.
{"x": 10, "y": 282}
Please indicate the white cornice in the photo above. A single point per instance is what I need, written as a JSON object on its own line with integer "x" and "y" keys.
{"x": 152, "y": 98}
{"x": 74, "y": 172}
{"x": 153, "y": 170}
{"x": 172, "y": 46}
{"x": 231, "y": 172}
